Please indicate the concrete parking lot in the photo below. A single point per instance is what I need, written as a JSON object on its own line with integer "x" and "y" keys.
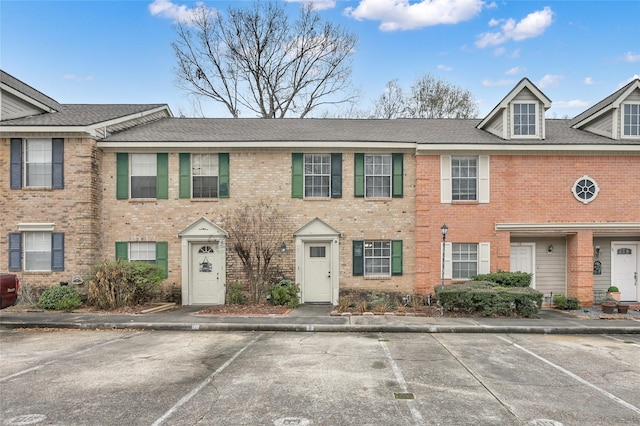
{"x": 85, "y": 377}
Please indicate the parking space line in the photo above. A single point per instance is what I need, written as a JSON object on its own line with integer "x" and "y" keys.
{"x": 417, "y": 417}
{"x": 202, "y": 384}
{"x": 573, "y": 376}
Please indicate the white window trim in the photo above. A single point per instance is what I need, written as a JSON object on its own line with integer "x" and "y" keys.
{"x": 36, "y": 227}
{"x": 131, "y": 175}
{"x": 304, "y": 178}
{"x": 390, "y": 257}
{"x": 25, "y": 168}
{"x": 484, "y": 260}
{"x": 575, "y": 194}
{"x": 191, "y": 185}
{"x": 622, "y": 135}
{"x": 483, "y": 179}
{"x": 538, "y": 133}
{"x": 390, "y": 175}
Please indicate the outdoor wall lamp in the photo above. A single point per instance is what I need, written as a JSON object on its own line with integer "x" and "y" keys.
{"x": 550, "y": 248}
{"x": 444, "y": 230}
{"x": 283, "y": 247}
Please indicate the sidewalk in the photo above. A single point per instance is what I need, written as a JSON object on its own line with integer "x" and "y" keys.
{"x": 317, "y": 318}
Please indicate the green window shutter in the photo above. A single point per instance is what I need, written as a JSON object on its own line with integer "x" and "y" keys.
{"x": 358, "y": 160}
{"x": 396, "y": 257}
{"x": 185, "y": 175}
{"x": 162, "y": 183}
{"x": 336, "y": 175}
{"x": 57, "y": 163}
{"x": 162, "y": 256}
{"x": 297, "y": 175}
{"x": 15, "y": 251}
{"x": 16, "y": 164}
{"x": 223, "y": 175}
{"x": 122, "y": 250}
{"x": 57, "y": 251}
{"x": 358, "y": 258}
{"x": 122, "y": 176}
{"x": 398, "y": 175}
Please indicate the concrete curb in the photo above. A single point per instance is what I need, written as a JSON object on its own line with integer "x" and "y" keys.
{"x": 329, "y": 328}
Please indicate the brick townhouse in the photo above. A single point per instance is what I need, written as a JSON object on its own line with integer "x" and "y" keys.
{"x": 364, "y": 199}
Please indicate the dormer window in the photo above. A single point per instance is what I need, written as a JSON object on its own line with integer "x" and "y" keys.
{"x": 631, "y": 125}
{"x": 524, "y": 120}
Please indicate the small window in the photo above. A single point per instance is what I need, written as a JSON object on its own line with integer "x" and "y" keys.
{"x": 464, "y": 260}
{"x": 378, "y": 172}
{"x": 37, "y": 251}
{"x": 206, "y": 249}
{"x": 317, "y": 251}
{"x": 317, "y": 175}
{"x": 38, "y": 162}
{"x": 631, "y": 120}
{"x": 142, "y": 252}
{"x": 464, "y": 178}
{"x": 204, "y": 171}
{"x": 143, "y": 175}
{"x": 524, "y": 119}
{"x": 585, "y": 189}
{"x": 377, "y": 258}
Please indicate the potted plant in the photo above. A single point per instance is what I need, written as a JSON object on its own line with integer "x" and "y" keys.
{"x": 623, "y": 308}
{"x": 614, "y": 293}
{"x": 608, "y": 305}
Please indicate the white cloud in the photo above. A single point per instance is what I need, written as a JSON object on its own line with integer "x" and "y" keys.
{"x": 550, "y": 80}
{"x": 575, "y": 103}
{"x": 405, "y": 15}
{"x": 317, "y": 4}
{"x": 632, "y": 57}
{"x": 444, "y": 67}
{"x": 588, "y": 81}
{"x": 532, "y": 25}
{"x": 495, "y": 83}
{"x": 168, "y": 9}
{"x": 515, "y": 71}
{"x": 499, "y": 51}
{"x": 77, "y": 78}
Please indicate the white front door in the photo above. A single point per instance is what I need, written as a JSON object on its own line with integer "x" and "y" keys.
{"x": 523, "y": 259}
{"x": 206, "y": 278}
{"x": 317, "y": 272}
{"x": 624, "y": 270}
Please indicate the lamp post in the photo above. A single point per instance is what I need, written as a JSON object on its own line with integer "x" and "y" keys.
{"x": 444, "y": 230}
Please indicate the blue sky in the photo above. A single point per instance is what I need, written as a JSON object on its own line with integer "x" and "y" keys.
{"x": 577, "y": 52}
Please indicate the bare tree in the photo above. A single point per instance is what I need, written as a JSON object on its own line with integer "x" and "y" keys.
{"x": 429, "y": 97}
{"x": 257, "y": 59}
{"x": 256, "y": 232}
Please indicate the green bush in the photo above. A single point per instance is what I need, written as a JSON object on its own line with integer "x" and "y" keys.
{"x": 487, "y": 299}
{"x": 236, "y": 294}
{"x": 117, "y": 284}
{"x": 506, "y": 279}
{"x": 566, "y": 303}
{"x": 62, "y": 298}
{"x": 285, "y": 293}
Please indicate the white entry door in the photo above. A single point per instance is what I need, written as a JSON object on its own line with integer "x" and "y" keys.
{"x": 206, "y": 279}
{"x": 624, "y": 270}
{"x": 317, "y": 272}
{"x": 523, "y": 259}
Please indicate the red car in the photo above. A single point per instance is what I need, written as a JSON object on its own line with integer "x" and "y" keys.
{"x": 9, "y": 286}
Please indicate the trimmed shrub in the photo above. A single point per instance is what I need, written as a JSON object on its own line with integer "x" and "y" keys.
{"x": 488, "y": 299}
{"x": 506, "y": 279}
{"x": 236, "y": 294}
{"x": 118, "y": 284}
{"x": 61, "y": 298}
{"x": 566, "y": 303}
{"x": 285, "y": 293}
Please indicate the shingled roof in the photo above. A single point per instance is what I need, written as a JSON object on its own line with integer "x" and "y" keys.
{"x": 28, "y": 91}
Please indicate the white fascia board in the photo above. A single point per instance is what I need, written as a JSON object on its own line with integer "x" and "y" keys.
{"x": 124, "y": 118}
{"x": 26, "y": 98}
{"x": 505, "y": 148}
{"x": 46, "y": 129}
{"x": 257, "y": 144}
{"x": 565, "y": 226}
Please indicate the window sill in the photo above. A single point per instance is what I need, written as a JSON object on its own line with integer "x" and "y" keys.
{"x": 204, "y": 200}
{"x": 465, "y": 203}
{"x": 374, "y": 199}
{"x": 377, "y": 277}
{"x": 37, "y": 188}
{"x": 317, "y": 198}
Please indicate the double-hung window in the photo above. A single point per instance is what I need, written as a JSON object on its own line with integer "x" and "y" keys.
{"x": 464, "y": 260}
{"x": 37, "y": 163}
{"x": 524, "y": 119}
{"x": 464, "y": 178}
{"x": 142, "y": 176}
{"x": 316, "y": 175}
{"x": 378, "y": 175}
{"x": 631, "y": 123}
{"x": 144, "y": 251}
{"x": 36, "y": 248}
{"x": 204, "y": 176}
{"x": 377, "y": 258}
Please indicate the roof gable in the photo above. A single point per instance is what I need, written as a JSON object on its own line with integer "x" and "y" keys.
{"x": 317, "y": 227}
{"x": 201, "y": 228}
{"x": 30, "y": 100}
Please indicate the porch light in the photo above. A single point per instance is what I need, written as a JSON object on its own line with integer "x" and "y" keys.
{"x": 283, "y": 247}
